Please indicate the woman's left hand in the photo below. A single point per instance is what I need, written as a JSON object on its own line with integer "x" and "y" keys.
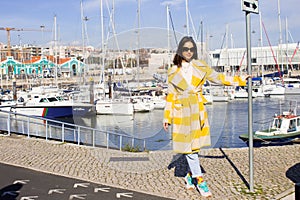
{"x": 248, "y": 76}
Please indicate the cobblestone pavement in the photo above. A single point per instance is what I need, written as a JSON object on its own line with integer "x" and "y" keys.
{"x": 226, "y": 170}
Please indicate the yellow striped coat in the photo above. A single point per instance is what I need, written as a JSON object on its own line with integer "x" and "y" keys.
{"x": 185, "y": 106}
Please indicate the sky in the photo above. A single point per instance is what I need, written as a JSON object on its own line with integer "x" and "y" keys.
{"x": 223, "y": 22}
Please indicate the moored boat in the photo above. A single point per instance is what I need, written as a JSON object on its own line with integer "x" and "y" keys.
{"x": 43, "y": 106}
{"x": 273, "y": 90}
{"x": 283, "y": 126}
{"x": 114, "y": 107}
{"x": 292, "y": 86}
{"x": 142, "y": 103}
{"x": 50, "y": 106}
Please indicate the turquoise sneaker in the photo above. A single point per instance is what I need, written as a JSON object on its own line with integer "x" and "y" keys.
{"x": 189, "y": 182}
{"x": 202, "y": 187}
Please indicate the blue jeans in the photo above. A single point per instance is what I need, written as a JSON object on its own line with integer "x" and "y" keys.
{"x": 194, "y": 164}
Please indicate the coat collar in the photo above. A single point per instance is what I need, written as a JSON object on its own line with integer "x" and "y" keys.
{"x": 198, "y": 76}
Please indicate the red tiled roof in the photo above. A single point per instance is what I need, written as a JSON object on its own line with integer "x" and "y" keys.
{"x": 37, "y": 58}
{"x": 63, "y": 60}
{"x": 33, "y": 59}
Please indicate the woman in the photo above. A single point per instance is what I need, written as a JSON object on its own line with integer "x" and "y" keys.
{"x": 185, "y": 108}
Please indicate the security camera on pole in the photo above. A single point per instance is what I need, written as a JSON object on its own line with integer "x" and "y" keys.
{"x": 250, "y": 6}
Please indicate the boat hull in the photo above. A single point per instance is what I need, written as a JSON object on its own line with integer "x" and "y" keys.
{"x": 83, "y": 109}
{"x": 257, "y": 137}
{"x": 114, "y": 108}
{"x": 47, "y": 111}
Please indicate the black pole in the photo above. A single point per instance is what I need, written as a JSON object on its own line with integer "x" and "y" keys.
{"x": 92, "y": 91}
{"x": 297, "y": 191}
{"x": 14, "y": 89}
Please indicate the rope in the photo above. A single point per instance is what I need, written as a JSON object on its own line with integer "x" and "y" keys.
{"x": 273, "y": 54}
{"x": 223, "y": 41}
{"x": 176, "y": 42}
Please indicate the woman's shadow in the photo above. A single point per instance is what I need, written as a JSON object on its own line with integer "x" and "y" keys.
{"x": 293, "y": 173}
{"x": 180, "y": 165}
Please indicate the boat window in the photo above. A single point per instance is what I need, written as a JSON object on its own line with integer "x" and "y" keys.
{"x": 52, "y": 99}
{"x": 60, "y": 98}
{"x": 43, "y": 100}
{"x": 21, "y": 99}
{"x": 292, "y": 126}
{"x": 216, "y": 55}
{"x": 298, "y": 122}
{"x": 277, "y": 123}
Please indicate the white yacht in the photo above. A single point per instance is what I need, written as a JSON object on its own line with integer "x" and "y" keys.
{"x": 114, "y": 107}
{"x": 292, "y": 86}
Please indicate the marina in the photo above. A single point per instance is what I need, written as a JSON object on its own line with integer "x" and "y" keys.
{"x": 93, "y": 73}
{"x": 89, "y": 104}
{"x": 146, "y": 127}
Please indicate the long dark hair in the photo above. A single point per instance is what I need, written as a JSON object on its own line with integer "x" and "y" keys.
{"x": 178, "y": 56}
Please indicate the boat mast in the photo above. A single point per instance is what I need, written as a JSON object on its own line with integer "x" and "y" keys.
{"x": 187, "y": 17}
{"x": 280, "y": 35}
{"x": 102, "y": 46}
{"x": 287, "y": 43}
{"x": 83, "y": 39}
{"x": 261, "y": 45}
{"x": 226, "y": 47}
{"x": 138, "y": 44}
{"x": 168, "y": 29}
{"x": 112, "y": 22}
{"x": 55, "y": 50}
{"x": 201, "y": 40}
{"x": 112, "y": 19}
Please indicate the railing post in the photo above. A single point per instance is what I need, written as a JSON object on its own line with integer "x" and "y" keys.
{"x": 121, "y": 137}
{"x": 63, "y": 132}
{"x": 107, "y": 140}
{"x": 93, "y": 137}
{"x": 46, "y": 129}
{"x": 74, "y": 134}
{"x": 50, "y": 132}
{"x": 8, "y": 123}
{"x": 78, "y": 136}
{"x": 132, "y": 142}
{"x": 23, "y": 128}
{"x": 28, "y": 127}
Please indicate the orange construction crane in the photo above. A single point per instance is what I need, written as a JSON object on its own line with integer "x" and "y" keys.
{"x": 8, "y": 29}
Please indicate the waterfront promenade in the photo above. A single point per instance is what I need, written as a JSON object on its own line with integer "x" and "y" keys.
{"x": 158, "y": 172}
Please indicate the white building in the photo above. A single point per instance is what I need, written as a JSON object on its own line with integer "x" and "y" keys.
{"x": 264, "y": 59}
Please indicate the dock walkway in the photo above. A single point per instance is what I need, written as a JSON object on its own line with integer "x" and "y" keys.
{"x": 158, "y": 172}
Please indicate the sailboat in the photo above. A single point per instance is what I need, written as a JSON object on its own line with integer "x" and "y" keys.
{"x": 108, "y": 105}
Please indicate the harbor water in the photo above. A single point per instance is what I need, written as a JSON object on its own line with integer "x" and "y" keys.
{"x": 227, "y": 121}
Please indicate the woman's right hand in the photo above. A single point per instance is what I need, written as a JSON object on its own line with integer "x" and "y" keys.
{"x": 166, "y": 126}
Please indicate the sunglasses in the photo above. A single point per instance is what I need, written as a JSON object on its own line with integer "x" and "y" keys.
{"x": 188, "y": 49}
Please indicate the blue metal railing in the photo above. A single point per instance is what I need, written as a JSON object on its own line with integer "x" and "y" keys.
{"x": 50, "y": 129}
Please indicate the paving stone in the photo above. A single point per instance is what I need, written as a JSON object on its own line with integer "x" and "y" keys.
{"x": 226, "y": 170}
